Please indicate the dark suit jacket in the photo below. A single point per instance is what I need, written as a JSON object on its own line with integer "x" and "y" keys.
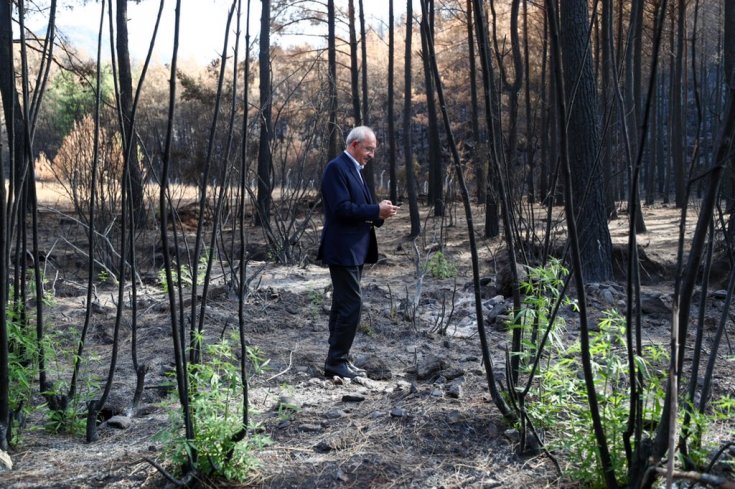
{"x": 350, "y": 216}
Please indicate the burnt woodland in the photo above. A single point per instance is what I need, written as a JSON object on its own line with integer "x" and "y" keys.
{"x": 551, "y": 308}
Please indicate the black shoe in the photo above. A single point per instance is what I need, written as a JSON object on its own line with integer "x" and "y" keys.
{"x": 359, "y": 371}
{"x": 340, "y": 370}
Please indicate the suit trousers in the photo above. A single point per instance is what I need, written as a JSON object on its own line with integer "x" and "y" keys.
{"x": 344, "y": 316}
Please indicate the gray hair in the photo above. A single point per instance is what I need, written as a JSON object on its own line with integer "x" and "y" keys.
{"x": 359, "y": 134}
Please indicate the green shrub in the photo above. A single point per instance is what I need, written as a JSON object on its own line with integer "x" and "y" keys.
{"x": 439, "y": 267}
{"x": 217, "y": 413}
{"x": 187, "y": 275}
{"x": 557, "y": 401}
{"x": 22, "y": 367}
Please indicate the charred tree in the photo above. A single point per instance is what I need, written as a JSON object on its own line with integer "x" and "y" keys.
{"x": 391, "y": 109}
{"x": 581, "y": 98}
{"x": 354, "y": 66}
{"x": 433, "y": 157}
{"x": 478, "y": 160}
{"x": 369, "y": 172}
{"x": 125, "y": 81}
{"x": 332, "y": 129}
{"x": 266, "y": 133}
{"x": 413, "y": 204}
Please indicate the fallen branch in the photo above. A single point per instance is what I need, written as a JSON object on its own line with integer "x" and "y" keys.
{"x": 290, "y": 358}
{"x": 704, "y": 478}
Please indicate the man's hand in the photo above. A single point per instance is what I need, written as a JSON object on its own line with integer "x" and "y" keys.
{"x": 387, "y": 209}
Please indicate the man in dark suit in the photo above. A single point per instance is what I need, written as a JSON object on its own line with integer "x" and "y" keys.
{"x": 348, "y": 242}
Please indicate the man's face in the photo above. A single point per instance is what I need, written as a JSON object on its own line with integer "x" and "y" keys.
{"x": 363, "y": 151}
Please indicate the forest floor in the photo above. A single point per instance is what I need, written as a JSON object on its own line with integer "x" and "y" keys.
{"x": 423, "y": 418}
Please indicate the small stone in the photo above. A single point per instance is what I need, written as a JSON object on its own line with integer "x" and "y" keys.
{"x": 452, "y": 373}
{"x": 440, "y": 380}
{"x": 437, "y": 393}
{"x": 352, "y": 398}
{"x": 498, "y": 310}
{"x": 119, "y": 422}
{"x": 335, "y": 414}
{"x": 283, "y": 424}
{"x": 455, "y": 390}
{"x": 310, "y": 428}
{"x": 323, "y": 447}
{"x": 512, "y": 434}
{"x": 403, "y": 385}
{"x": 608, "y": 297}
{"x": 364, "y": 381}
{"x": 454, "y": 417}
{"x": 6, "y": 463}
{"x": 719, "y": 294}
{"x": 146, "y": 410}
{"x": 376, "y": 414}
{"x": 428, "y": 366}
{"x": 654, "y": 304}
{"x": 397, "y": 412}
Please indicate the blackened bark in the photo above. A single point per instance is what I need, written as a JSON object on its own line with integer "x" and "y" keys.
{"x": 581, "y": 98}
{"x": 391, "y": 109}
{"x": 413, "y": 205}
{"x": 354, "y": 68}
{"x": 332, "y": 130}
{"x": 266, "y": 134}
{"x": 7, "y": 90}
{"x": 729, "y": 42}
{"x": 369, "y": 172}
{"x": 126, "y": 101}
{"x": 436, "y": 173}
{"x": 678, "y": 130}
{"x": 478, "y": 160}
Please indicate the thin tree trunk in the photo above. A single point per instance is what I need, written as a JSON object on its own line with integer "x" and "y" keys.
{"x": 729, "y": 41}
{"x": 480, "y": 162}
{"x": 94, "y": 406}
{"x": 413, "y": 205}
{"x": 606, "y": 95}
{"x": 369, "y": 172}
{"x": 354, "y": 68}
{"x": 266, "y": 133}
{"x": 495, "y": 155}
{"x": 7, "y": 90}
{"x": 332, "y": 129}
{"x": 391, "y": 109}
{"x": 511, "y": 87}
{"x": 678, "y": 130}
{"x": 492, "y": 221}
{"x": 125, "y": 78}
{"x": 530, "y": 136}
{"x": 436, "y": 177}
{"x": 242, "y": 252}
{"x": 182, "y": 376}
